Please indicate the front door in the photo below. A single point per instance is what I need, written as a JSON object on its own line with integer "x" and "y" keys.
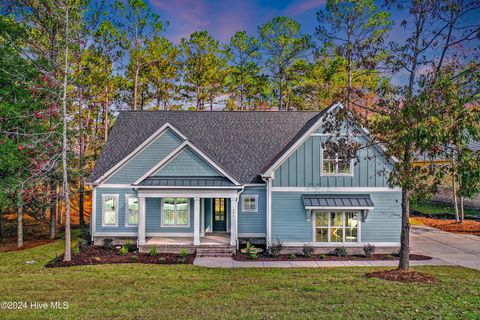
{"x": 219, "y": 215}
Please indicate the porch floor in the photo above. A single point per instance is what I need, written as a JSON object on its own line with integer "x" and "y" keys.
{"x": 217, "y": 239}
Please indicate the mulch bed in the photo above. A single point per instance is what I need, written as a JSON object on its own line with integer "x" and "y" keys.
{"x": 329, "y": 257}
{"x": 27, "y": 244}
{"x": 403, "y": 276}
{"x": 467, "y": 227}
{"x": 92, "y": 255}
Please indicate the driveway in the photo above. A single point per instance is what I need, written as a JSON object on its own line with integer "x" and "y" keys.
{"x": 458, "y": 249}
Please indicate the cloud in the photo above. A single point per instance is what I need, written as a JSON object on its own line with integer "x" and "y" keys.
{"x": 299, "y": 7}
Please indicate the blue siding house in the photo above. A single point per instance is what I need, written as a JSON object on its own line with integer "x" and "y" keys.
{"x": 176, "y": 179}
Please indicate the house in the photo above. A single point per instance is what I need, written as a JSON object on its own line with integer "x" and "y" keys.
{"x": 213, "y": 179}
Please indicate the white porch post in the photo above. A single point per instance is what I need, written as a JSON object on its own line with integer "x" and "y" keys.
{"x": 141, "y": 221}
{"x": 196, "y": 221}
{"x": 233, "y": 223}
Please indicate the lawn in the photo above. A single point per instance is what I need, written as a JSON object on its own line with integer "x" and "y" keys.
{"x": 188, "y": 292}
{"x": 430, "y": 208}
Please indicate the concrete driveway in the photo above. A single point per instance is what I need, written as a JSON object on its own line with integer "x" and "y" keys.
{"x": 457, "y": 249}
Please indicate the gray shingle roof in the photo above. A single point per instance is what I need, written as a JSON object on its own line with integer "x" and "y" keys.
{"x": 243, "y": 143}
{"x": 337, "y": 200}
{"x": 187, "y": 182}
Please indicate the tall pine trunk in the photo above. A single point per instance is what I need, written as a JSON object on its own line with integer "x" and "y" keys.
{"x": 462, "y": 210}
{"x": 404, "y": 263}
{"x": 53, "y": 209}
{"x": 19, "y": 220}
{"x": 66, "y": 193}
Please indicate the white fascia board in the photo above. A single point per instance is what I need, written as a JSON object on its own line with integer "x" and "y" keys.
{"x": 299, "y": 142}
{"x": 142, "y": 146}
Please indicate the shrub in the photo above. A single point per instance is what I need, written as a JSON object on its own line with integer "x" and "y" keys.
{"x": 276, "y": 248}
{"x": 134, "y": 258}
{"x": 123, "y": 251}
{"x": 322, "y": 256}
{"x": 250, "y": 250}
{"x": 181, "y": 260}
{"x": 86, "y": 235}
{"x": 162, "y": 260}
{"x": 153, "y": 251}
{"x": 128, "y": 245}
{"x": 340, "y": 252}
{"x": 308, "y": 251}
{"x": 292, "y": 256}
{"x": 76, "y": 250}
{"x": 369, "y": 249}
{"x": 107, "y": 244}
{"x": 82, "y": 243}
{"x": 183, "y": 253}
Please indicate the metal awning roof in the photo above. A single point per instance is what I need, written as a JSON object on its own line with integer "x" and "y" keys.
{"x": 186, "y": 182}
{"x": 337, "y": 201}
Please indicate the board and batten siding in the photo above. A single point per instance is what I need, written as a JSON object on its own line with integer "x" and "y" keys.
{"x": 146, "y": 159}
{"x": 290, "y": 223}
{"x": 252, "y": 222}
{"x": 187, "y": 163}
{"x": 121, "y": 228}
{"x": 303, "y": 168}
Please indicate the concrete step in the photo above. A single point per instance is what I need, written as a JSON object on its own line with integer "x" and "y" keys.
{"x": 214, "y": 252}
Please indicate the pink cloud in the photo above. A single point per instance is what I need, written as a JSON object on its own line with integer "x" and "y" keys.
{"x": 299, "y": 7}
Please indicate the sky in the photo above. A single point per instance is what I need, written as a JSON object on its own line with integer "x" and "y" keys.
{"x": 222, "y": 18}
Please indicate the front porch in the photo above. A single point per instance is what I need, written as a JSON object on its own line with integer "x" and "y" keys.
{"x": 174, "y": 244}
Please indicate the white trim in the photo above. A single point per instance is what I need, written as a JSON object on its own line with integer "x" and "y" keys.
{"x": 299, "y": 141}
{"x": 185, "y": 188}
{"x": 333, "y": 189}
{"x": 143, "y": 145}
{"x": 346, "y": 244}
{"x": 338, "y": 208}
{"x": 114, "y": 186}
{"x": 116, "y": 234}
{"x": 162, "y": 162}
{"x": 336, "y": 173}
{"x": 254, "y": 196}
{"x": 93, "y": 218}
{"x": 251, "y": 235}
{"x": 187, "y": 193}
{"x": 162, "y": 225}
{"x": 117, "y": 203}
{"x": 269, "y": 213}
{"x": 169, "y": 234}
{"x": 255, "y": 185}
{"x": 127, "y": 196}
{"x": 314, "y": 227}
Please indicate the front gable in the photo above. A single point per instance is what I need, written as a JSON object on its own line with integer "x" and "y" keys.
{"x": 187, "y": 164}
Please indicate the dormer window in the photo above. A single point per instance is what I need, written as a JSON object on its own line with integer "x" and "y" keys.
{"x": 336, "y": 165}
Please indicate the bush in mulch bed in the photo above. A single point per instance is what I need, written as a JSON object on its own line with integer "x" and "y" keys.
{"x": 91, "y": 255}
{"x": 403, "y": 276}
{"x": 326, "y": 257}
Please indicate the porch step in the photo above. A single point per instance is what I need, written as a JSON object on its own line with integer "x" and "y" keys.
{"x": 215, "y": 252}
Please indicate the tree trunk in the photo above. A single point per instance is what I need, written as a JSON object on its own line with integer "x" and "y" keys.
{"x": 19, "y": 220}
{"x": 462, "y": 211}
{"x": 66, "y": 193}
{"x": 53, "y": 210}
{"x": 1, "y": 234}
{"x": 81, "y": 204}
{"x": 404, "y": 263}
{"x": 135, "y": 89}
{"x": 454, "y": 187}
{"x": 59, "y": 206}
{"x": 105, "y": 116}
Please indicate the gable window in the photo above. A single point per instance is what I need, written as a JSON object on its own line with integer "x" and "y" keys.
{"x": 175, "y": 212}
{"x": 131, "y": 210}
{"x": 110, "y": 210}
{"x": 333, "y": 164}
{"x": 337, "y": 226}
{"x": 250, "y": 203}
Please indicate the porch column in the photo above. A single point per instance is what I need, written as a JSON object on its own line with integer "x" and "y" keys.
{"x": 141, "y": 221}
{"x": 233, "y": 223}
{"x": 196, "y": 221}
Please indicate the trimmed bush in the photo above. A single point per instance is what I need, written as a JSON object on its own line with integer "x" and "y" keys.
{"x": 340, "y": 252}
{"x": 308, "y": 251}
{"x": 369, "y": 249}
{"x": 153, "y": 251}
{"x": 183, "y": 253}
{"x": 123, "y": 251}
{"x": 134, "y": 258}
{"x": 107, "y": 244}
{"x": 276, "y": 248}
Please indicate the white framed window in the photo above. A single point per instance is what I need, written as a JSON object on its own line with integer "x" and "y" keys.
{"x": 175, "y": 212}
{"x": 110, "y": 210}
{"x": 131, "y": 210}
{"x": 333, "y": 165}
{"x": 336, "y": 227}
{"x": 250, "y": 203}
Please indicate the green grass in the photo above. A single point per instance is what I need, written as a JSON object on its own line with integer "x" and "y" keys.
{"x": 438, "y": 209}
{"x": 189, "y": 292}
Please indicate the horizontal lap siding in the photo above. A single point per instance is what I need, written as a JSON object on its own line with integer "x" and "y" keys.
{"x": 121, "y": 210}
{"x": 252, "y": 222}
{"x": 146, "y": 159}
{"x": 303, "y": 168}
{"x": 289, "y": 219}
{"x": 153, "y": 218}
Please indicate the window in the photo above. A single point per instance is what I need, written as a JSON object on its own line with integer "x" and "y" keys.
{"x": 131, "y": 210}
{"x": 110, "y": 210}
{"x": 250, "y": 203}
{"x": 337, "y": 226}
{"x": 175, "y": 212}
{"x": 333, "y": 164}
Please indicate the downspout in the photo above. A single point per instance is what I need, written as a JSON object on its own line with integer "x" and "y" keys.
{"x": 268, "y": 229}
{"x": 236, "y": 223}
